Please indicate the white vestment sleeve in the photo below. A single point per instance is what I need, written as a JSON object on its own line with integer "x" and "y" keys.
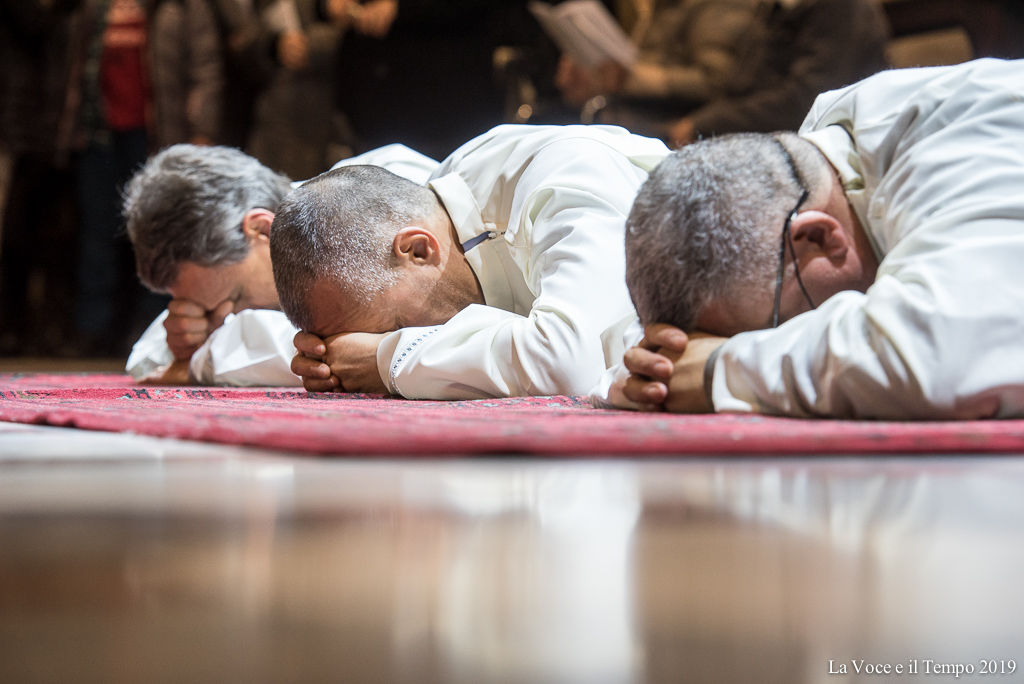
{"x": 151, "y": 351}
{"x": 617, "y": 339}
{"x": 398, "y": 159}
{"x": 938, "y": 335}
{"x": 569, "y": 246}
{"x": 253, "y": 348}
{"x": 486, "y": 352}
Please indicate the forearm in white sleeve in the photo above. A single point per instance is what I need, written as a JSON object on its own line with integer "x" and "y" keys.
{"x": 826, "y": 362}
{"x": 253, "y": 348}
{"x": 486, "y": 352}
{"x": 151, "y": 351}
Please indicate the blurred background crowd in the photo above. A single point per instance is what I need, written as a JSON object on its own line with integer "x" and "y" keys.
{"x": 90, "y": 88}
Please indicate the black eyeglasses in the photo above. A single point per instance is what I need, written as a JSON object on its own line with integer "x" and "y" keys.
{"x": 787, "y": 239}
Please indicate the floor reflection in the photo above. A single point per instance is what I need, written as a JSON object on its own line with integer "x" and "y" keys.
{"x": 266, "y": 568}
{"x": 802, "y": 563}
{"x": 533, "y": 583}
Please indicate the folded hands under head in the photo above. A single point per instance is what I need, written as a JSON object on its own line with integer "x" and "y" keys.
{"x": 342, "y": 363}
{"x": 188, "y": 325}
{"x": 667, "y": 371}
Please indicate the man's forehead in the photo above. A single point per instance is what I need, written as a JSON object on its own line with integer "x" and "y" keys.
{"x": 333, "y": 311}
{"x": 207, "y": 286}
{"x": 728, "y": 316}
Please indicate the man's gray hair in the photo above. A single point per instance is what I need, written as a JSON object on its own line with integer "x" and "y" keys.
{"x": 706, "y": 223}
{"x": 341, "y": 226}
{"x": 186, "y": 205}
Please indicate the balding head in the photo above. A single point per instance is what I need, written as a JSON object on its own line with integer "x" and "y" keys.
{"x": 339, "y": 230}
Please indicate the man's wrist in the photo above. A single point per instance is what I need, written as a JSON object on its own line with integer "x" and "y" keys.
{"x": 709, "y": 378}
{"x": 385, "y": 354}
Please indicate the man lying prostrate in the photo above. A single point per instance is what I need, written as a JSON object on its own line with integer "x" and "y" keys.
{"x": 199, "y": 219}
{"x": 872, "y": 267}
{"x": 496, "y": 280}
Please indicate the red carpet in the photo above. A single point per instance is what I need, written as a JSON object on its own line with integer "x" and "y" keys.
{"x": 379, "y": 426}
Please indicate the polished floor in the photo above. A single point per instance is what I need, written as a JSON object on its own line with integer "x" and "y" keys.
{"x": 131, "y": 559}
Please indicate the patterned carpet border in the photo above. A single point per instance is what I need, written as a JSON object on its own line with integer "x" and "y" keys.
{"x": 369, "y": 425}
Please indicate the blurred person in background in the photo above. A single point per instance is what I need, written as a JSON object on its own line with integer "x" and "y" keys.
{"x": 37, "y": 205}
{"x": 249, "y": 62}
{"x": 297, "y": 129}
{"x": 145, "y": 74}
{"x": 421, "y": 72}
{"x": 710, "y": 67}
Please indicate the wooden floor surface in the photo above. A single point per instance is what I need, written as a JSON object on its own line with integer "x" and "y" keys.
{"x": 130, "y": 559}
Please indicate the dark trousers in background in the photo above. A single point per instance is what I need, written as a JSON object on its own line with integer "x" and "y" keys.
{"x": 37, "y": 260}
{"x": 111, "y": 307}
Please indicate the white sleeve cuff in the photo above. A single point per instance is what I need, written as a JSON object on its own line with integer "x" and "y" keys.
{"x": 608, "y": 392}
{"x": 394, "y": 351}
{"x": 151, "y": 351}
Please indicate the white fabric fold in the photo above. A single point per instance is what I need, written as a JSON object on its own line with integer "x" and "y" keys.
{"x": 554, "y": 281}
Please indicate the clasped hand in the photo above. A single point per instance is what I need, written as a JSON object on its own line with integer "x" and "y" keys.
{"x": 340, "y": 363}
{"x": 188, "y": 325}
{"x": 666, "y": 371}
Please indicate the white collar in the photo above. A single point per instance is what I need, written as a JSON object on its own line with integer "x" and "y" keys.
{"x": 488, "y": 259}
{"x": 836, "y": 143}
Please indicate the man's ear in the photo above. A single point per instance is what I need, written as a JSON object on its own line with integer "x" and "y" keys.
{"x": 256, "y": 224}
{"x": 816, "y": 233}
{"x": 416, "y": 246}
